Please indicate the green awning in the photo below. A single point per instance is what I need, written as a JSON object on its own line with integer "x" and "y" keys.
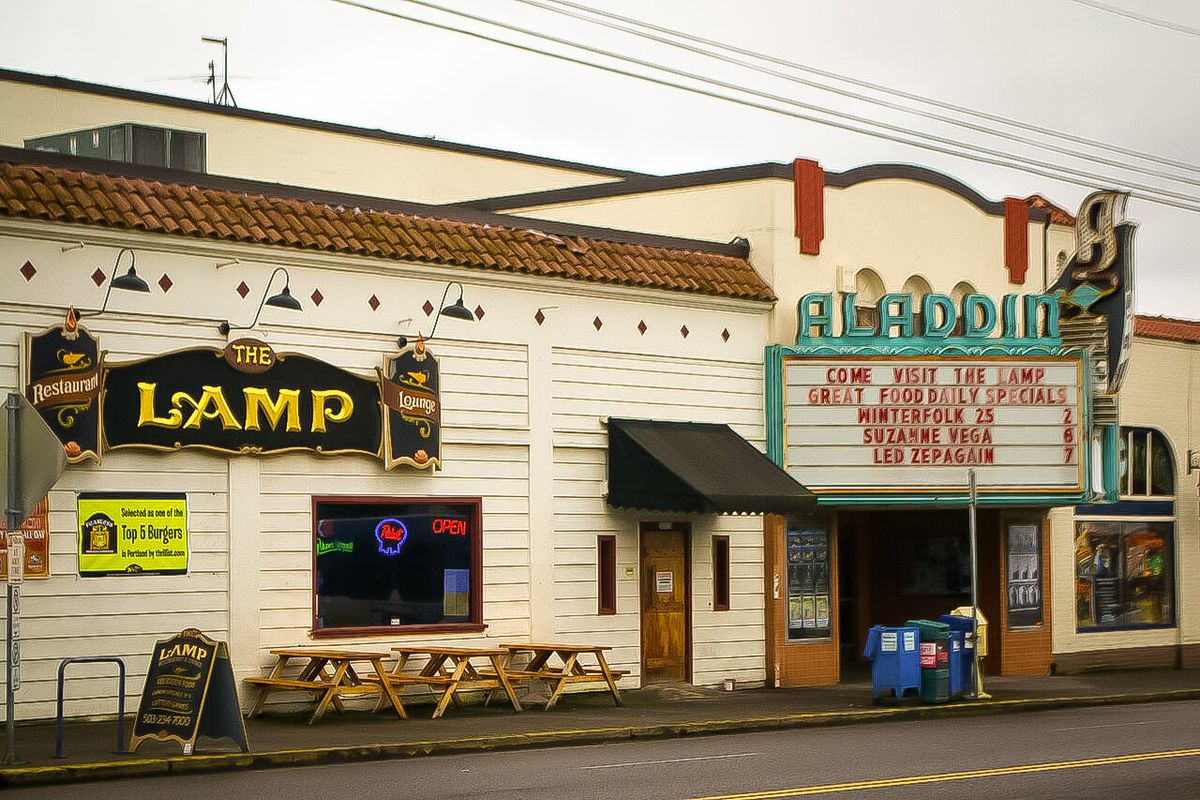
{"x": 696, "y": 467}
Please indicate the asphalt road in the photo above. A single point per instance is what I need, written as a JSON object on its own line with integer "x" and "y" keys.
{"x": 1137, "y": 751}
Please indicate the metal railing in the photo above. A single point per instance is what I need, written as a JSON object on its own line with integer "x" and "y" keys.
{"x": 62, "y": 669}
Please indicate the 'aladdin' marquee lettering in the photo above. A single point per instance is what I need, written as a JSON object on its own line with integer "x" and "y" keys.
{"x": 1029, "y": 316}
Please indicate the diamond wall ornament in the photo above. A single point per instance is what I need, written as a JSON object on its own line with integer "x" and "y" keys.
{"x": 317, "y": 297}
{"x": 478, "y": 312}
{"x": 427, "y": 308}
{"x": 165, "y": 283}
{"x": 642, "y": 328}
{"x": 374, "y": 303}
{"x": 28, "y": 270}
{"x": 98, "y": 277}
{"x": 684, "y": 331}
{"x": 725, "y": 335}
{"x": 597, "y": 323}
{"x": 243, "y": 289}
{"x": 539, "y": 317}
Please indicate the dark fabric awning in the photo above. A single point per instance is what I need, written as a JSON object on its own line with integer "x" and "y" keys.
{"x": 695, "y": 467}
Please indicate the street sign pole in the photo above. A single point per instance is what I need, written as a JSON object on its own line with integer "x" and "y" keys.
{"x": 12, "y": 518}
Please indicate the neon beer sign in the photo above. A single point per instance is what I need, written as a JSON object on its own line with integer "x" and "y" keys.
{"x": 391, "y": 534}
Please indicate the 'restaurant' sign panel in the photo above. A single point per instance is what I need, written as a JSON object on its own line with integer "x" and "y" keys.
{"x": 915, "y": 425}
{"x": 62, "y": 381}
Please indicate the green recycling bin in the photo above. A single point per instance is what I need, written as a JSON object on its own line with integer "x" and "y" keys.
{"x": 935, "y": 659}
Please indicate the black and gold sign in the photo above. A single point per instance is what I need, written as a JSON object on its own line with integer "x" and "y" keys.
{"x": 198, "y": 398}
{"x": 412, "y": 409}
{"x": 189, "y": 692}
{"x": 62, "y": 381}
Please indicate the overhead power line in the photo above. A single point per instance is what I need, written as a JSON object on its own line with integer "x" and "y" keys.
{"x": 1136, "y": 17}
{"x": 874, "y": 87}
{"x": 923, "y": 141}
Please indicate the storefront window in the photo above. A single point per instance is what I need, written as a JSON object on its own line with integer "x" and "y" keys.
{"x": 1123, "y": 574}
{"x": 383, "y": 564}
{"x": 1147, "y": 467}
{"x": 808, "y": 582}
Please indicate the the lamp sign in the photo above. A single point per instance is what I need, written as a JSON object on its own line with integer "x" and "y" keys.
{"x": 391, "y": 534}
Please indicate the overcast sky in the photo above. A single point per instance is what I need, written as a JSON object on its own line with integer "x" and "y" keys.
{"x": 1074, "y": 66}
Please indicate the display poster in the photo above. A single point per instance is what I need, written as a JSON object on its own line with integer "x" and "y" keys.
{"x": 35, "y": 533}
{"x": 664, "y": 582}
{"x": 132, "y": 533}
{"x": 1024, "y": 577}
{"x": 189, "y": 692}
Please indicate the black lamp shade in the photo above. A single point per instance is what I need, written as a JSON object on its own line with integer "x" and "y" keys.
{"x": 284, "y": 300}
{"x": 459, "y": 311}
{"x": 130, "y": 282}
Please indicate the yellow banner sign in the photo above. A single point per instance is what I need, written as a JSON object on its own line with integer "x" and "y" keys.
{"x": 135, "y": 532}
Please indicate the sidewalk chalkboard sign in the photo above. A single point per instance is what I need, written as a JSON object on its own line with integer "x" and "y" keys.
{"x": 189, "y": 692}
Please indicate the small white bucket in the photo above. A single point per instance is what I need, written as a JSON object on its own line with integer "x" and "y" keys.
{"x": 730, "y": 684}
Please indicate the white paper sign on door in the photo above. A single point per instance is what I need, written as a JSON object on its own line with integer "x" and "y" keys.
{"x": 664, "y": 582}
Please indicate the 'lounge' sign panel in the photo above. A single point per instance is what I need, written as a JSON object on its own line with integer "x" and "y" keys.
{"x": 214, "y": 399}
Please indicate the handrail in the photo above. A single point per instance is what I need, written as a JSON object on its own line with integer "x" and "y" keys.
{"x": 62, "y": 668}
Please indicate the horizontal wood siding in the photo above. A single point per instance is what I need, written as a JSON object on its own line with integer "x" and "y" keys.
{"x": 122, "y": 615}
{"x": 590, "y": 386}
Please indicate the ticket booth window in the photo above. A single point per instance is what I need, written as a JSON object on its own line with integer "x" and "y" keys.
{"x": 809, "y": 598}
{"x": 388, "y": 565}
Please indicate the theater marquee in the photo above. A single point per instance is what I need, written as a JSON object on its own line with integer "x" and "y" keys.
{"x": 914, "y": 425}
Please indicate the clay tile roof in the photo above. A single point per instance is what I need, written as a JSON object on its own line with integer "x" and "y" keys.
{"x": 1058, "y": 214}
{"x": 40, "y": 191}
{"x": 1175, "y": 330}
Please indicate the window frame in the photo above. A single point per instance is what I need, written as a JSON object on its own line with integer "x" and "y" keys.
{"x": 722, "y": 568}
{"x": 472, "y": 505}
{"x": 606, "y": 575}
{"x": 1153, "y": 438}
{"x": 1173, "y": 545}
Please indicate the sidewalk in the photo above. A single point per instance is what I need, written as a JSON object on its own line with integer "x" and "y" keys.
{"x": 285, "y": 740}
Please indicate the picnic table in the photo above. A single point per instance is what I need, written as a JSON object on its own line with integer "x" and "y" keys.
{"x": 559, "y": 666}
{"x": 452, "y": 670}
{"x": 329, "y": 675}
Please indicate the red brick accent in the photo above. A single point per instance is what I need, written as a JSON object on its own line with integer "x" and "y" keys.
{"x": 1016, "y": 238}
{"x": 810, "y": 663}
{"x": 809, "y": 181}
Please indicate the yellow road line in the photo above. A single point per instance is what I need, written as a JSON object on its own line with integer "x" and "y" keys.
{"x": 912, "y": 780}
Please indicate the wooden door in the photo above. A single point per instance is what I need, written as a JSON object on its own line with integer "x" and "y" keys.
{"x": 665, "y": 625}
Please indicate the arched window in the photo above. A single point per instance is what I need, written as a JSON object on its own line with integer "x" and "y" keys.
{"x": 869, "y": 288}
{"x": 958, "y": 294}
{"x": 917, "y": 287}
{"x": 1125, "y": 553}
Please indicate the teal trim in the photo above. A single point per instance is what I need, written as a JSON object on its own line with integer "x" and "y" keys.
{"x": 925, "y": 346}
{"x": 773, "y": 375}
{"x": 1111, "y": 443}
{"x": 951, "y": 500}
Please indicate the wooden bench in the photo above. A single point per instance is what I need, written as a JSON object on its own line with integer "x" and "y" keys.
{"x": 452, "y": 670}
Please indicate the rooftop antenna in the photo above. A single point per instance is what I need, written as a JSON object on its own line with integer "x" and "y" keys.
{"x": 212, "y": 80}
{"x": 225, "y": 96}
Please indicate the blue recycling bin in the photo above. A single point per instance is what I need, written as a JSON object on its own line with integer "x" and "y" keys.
{"x": 962, "y": 675}
{"x": 959, "y": 680}
{"x": 895, "y": 661}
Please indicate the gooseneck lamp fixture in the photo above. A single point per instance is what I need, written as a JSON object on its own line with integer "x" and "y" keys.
{"x": 130, "y": 281}
{"x": 455, "y": 310}
{"x": 282, "y": 300}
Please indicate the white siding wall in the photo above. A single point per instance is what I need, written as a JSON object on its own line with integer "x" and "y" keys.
{"x": 121, "y": 616}
{"x": 522, "y": 403}
{"x": 590, "y": 386}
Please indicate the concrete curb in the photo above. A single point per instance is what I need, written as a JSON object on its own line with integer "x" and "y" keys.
{"x": 224, "y": 762}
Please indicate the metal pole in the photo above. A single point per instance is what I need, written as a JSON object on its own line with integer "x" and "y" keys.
{"x": 978, "y": 692}
{"x": 12, "y": 518}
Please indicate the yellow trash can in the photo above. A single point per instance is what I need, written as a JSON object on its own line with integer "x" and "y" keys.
{"x": 981, "y": 625}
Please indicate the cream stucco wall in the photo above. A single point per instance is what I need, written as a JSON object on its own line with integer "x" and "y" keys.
{"x": 290, "y": 154}
{"x": 1161, "y": 390}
